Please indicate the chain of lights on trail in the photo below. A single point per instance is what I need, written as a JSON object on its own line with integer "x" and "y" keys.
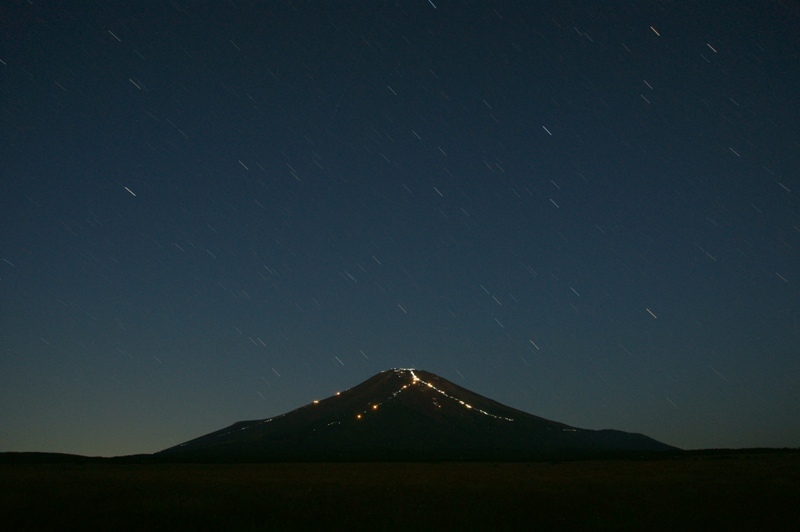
{"x": 417, "y": 380}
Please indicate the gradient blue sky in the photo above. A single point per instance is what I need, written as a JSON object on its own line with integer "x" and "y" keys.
{"x": 218, "y": 211}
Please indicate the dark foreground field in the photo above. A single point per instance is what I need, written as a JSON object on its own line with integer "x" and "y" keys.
{"x": 758, "y": 491}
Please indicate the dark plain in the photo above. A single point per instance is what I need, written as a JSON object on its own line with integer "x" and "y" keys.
{"x": 690, "y": 491}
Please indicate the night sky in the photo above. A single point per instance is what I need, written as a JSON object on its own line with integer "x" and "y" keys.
{"x": 219, "y": 211}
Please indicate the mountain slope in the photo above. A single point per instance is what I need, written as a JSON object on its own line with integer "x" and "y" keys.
{"x": 404, "y": 414}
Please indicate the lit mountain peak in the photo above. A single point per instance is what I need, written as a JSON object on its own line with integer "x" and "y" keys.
{"x": 404, "y": 413}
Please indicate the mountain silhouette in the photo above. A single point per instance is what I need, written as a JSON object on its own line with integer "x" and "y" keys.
{"x": 405, "y": 414}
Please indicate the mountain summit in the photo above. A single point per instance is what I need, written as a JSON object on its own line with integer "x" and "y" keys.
{"x": 404, "y": 414}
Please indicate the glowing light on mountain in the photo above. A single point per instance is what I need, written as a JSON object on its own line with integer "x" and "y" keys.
{"x": 415, "y": 379}
{"x": 466, "y": 405}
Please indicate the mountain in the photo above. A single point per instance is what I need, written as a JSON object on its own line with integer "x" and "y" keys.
{"x": 405, "y": 414}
